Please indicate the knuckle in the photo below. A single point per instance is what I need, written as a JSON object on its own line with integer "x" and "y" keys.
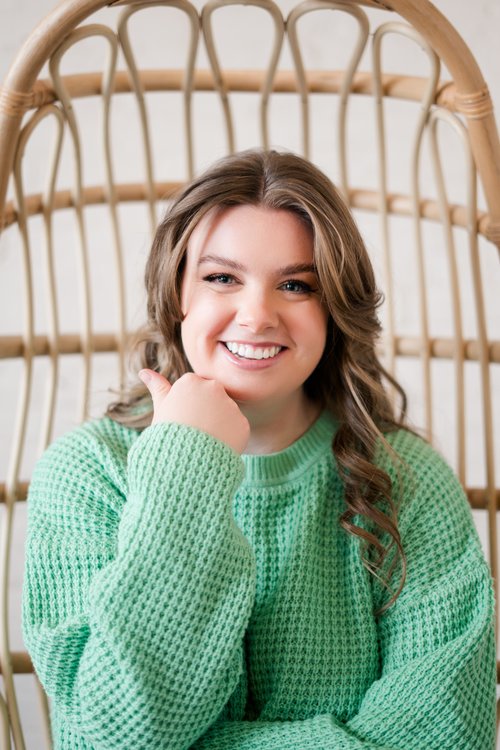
{"x": 215, "y": 386}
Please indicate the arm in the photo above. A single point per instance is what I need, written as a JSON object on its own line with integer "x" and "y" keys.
{"x": 135, "y": 607}
{"x": 436, "y": 689}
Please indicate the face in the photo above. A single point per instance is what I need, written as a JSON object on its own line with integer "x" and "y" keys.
{"x": 253, "y": 316}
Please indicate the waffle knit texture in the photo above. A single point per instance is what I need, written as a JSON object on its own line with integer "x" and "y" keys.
{"x": 180, "y": 596}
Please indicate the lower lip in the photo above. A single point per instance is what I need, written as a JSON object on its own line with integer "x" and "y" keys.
{"x": 251, "y": 364}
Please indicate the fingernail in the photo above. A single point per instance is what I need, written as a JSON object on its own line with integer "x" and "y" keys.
{"x": 145, "y": 376}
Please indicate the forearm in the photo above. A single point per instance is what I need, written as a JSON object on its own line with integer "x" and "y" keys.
{"x": 155, "y": 651}
{"x": 441, "y": 698}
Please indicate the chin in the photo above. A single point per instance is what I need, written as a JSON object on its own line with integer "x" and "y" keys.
{"x": 244, "y": 398}
{"x": 241, "y": 397}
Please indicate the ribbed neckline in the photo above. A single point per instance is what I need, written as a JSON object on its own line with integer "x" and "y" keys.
{"x": 274, "y": 468}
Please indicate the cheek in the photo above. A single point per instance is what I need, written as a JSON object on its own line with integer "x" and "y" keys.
{"x": 314, "y": 327}
{"x": 205, "y": 317}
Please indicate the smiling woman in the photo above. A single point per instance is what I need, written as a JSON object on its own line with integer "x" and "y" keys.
{"x": 251, "y": 318}
{"x": 252, "y": 551}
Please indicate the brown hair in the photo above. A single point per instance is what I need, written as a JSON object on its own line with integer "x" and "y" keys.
{"x": 348, "y": 380}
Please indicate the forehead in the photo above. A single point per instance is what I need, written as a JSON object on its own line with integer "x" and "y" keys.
{"x": 246, "y": 231}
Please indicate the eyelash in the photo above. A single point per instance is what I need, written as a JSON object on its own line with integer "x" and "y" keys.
{"x": 304, "y": 287}
{"x": 213, "y": 277}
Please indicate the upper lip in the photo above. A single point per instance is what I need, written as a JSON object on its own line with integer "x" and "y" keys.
{"x": 262, "y": 344}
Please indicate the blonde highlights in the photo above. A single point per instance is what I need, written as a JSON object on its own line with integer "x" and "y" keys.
{"x": 349, "y": 379}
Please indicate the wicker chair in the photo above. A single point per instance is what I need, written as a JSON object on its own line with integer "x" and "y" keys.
{"x": 89, "y": 155}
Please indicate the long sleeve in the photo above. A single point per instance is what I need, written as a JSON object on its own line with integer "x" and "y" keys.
{"x": 436, "y": 683}
{"x": 137, "y": 592}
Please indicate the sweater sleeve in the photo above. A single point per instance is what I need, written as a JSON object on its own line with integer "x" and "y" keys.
{"x": 135, "y": 606}
{"x": 436, "y": 688}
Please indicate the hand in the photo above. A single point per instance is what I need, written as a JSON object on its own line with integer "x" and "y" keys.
{"x": 199, "y": 403}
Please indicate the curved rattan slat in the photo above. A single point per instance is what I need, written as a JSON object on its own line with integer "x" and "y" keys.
{"x": 17, "y": 443}
{"x": 487, "y": 405}
{"x": 45, "y": 710}
{"x": 346, "y": 85}
{"x": 486, "y": 389}
{"x": 390, "y": 357}
{"x": 5, "y": 731}
{"x": 112, "y": 202}
{"x": 449, "y": 244}
{"x": 267, "y": 83}
{"x": 185, "y": 84}
{"x": 63, "y": 96}
{"x": 141, "y": 105}
{"x": 486, "y": 393}
{"x": 428, "y": 98}
{"x": 47, "y": 419}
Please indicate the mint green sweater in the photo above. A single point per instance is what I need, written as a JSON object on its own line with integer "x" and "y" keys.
{"x": 180, "y": 596}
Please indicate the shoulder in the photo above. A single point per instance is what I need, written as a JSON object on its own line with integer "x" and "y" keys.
{"x": 427, "y": 487}
{"x": 87, "y": 461}
{"x": 98, "y": 442}
{"x": 434, "y": 518}
{"x": 418, "y": 463}
{"x": 97, "y": 432}
{"x": 416, "y": 453}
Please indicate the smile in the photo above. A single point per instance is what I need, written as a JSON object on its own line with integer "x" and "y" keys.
{"x": 247, "y": 351}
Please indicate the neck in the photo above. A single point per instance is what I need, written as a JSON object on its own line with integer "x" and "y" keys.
{"x": 273, "y": 427}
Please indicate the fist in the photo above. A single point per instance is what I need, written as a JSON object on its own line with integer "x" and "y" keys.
{"x": 198, "y": 402}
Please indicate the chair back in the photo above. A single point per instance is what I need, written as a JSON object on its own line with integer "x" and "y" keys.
{"x": 109, "y": 107}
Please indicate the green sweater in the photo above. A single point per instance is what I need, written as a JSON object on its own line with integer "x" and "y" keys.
{"x": 178, "y": 596}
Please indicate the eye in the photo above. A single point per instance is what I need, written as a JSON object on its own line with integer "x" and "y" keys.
{"x": 297, "y": 287}
{"x": 220, "y": 278}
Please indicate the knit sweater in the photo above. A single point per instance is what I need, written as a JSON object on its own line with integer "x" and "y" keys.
{"x": 180, "y": 596}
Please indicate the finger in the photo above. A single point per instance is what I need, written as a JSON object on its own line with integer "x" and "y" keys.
{"x": 156, "y": 384}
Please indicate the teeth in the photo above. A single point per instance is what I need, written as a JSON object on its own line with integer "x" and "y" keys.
{"x": 253, "y": 352}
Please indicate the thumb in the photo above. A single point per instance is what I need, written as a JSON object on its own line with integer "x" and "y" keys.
{"x": 156, "y": 384}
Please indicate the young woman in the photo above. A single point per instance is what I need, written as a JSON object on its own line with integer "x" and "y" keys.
{"x": 325, "y": 590}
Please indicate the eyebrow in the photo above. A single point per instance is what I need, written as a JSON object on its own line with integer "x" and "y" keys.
{"x": 235, "y": 266}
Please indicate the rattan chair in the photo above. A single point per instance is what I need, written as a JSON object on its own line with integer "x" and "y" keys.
{"x": 393, "y": 108}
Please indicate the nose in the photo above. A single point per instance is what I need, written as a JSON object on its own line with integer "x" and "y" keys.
{"x": 257, "y": 311}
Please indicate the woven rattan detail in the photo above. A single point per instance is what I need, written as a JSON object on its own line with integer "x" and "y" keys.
{"x": 16, "y": 103}
{"x": 493, "y": 233}
{"x": 474, "y": 106}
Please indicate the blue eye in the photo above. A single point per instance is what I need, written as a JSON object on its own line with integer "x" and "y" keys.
{"x": 219, "y": 278}
{"x": 297, "y": 287}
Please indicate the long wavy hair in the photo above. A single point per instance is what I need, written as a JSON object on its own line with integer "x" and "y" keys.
{"x": 349, "y": 379}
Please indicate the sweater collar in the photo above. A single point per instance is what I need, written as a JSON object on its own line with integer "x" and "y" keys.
{"x": 274, "y": 468}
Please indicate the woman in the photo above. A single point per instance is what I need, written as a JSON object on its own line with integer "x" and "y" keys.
{"x": 326, "y": 589}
